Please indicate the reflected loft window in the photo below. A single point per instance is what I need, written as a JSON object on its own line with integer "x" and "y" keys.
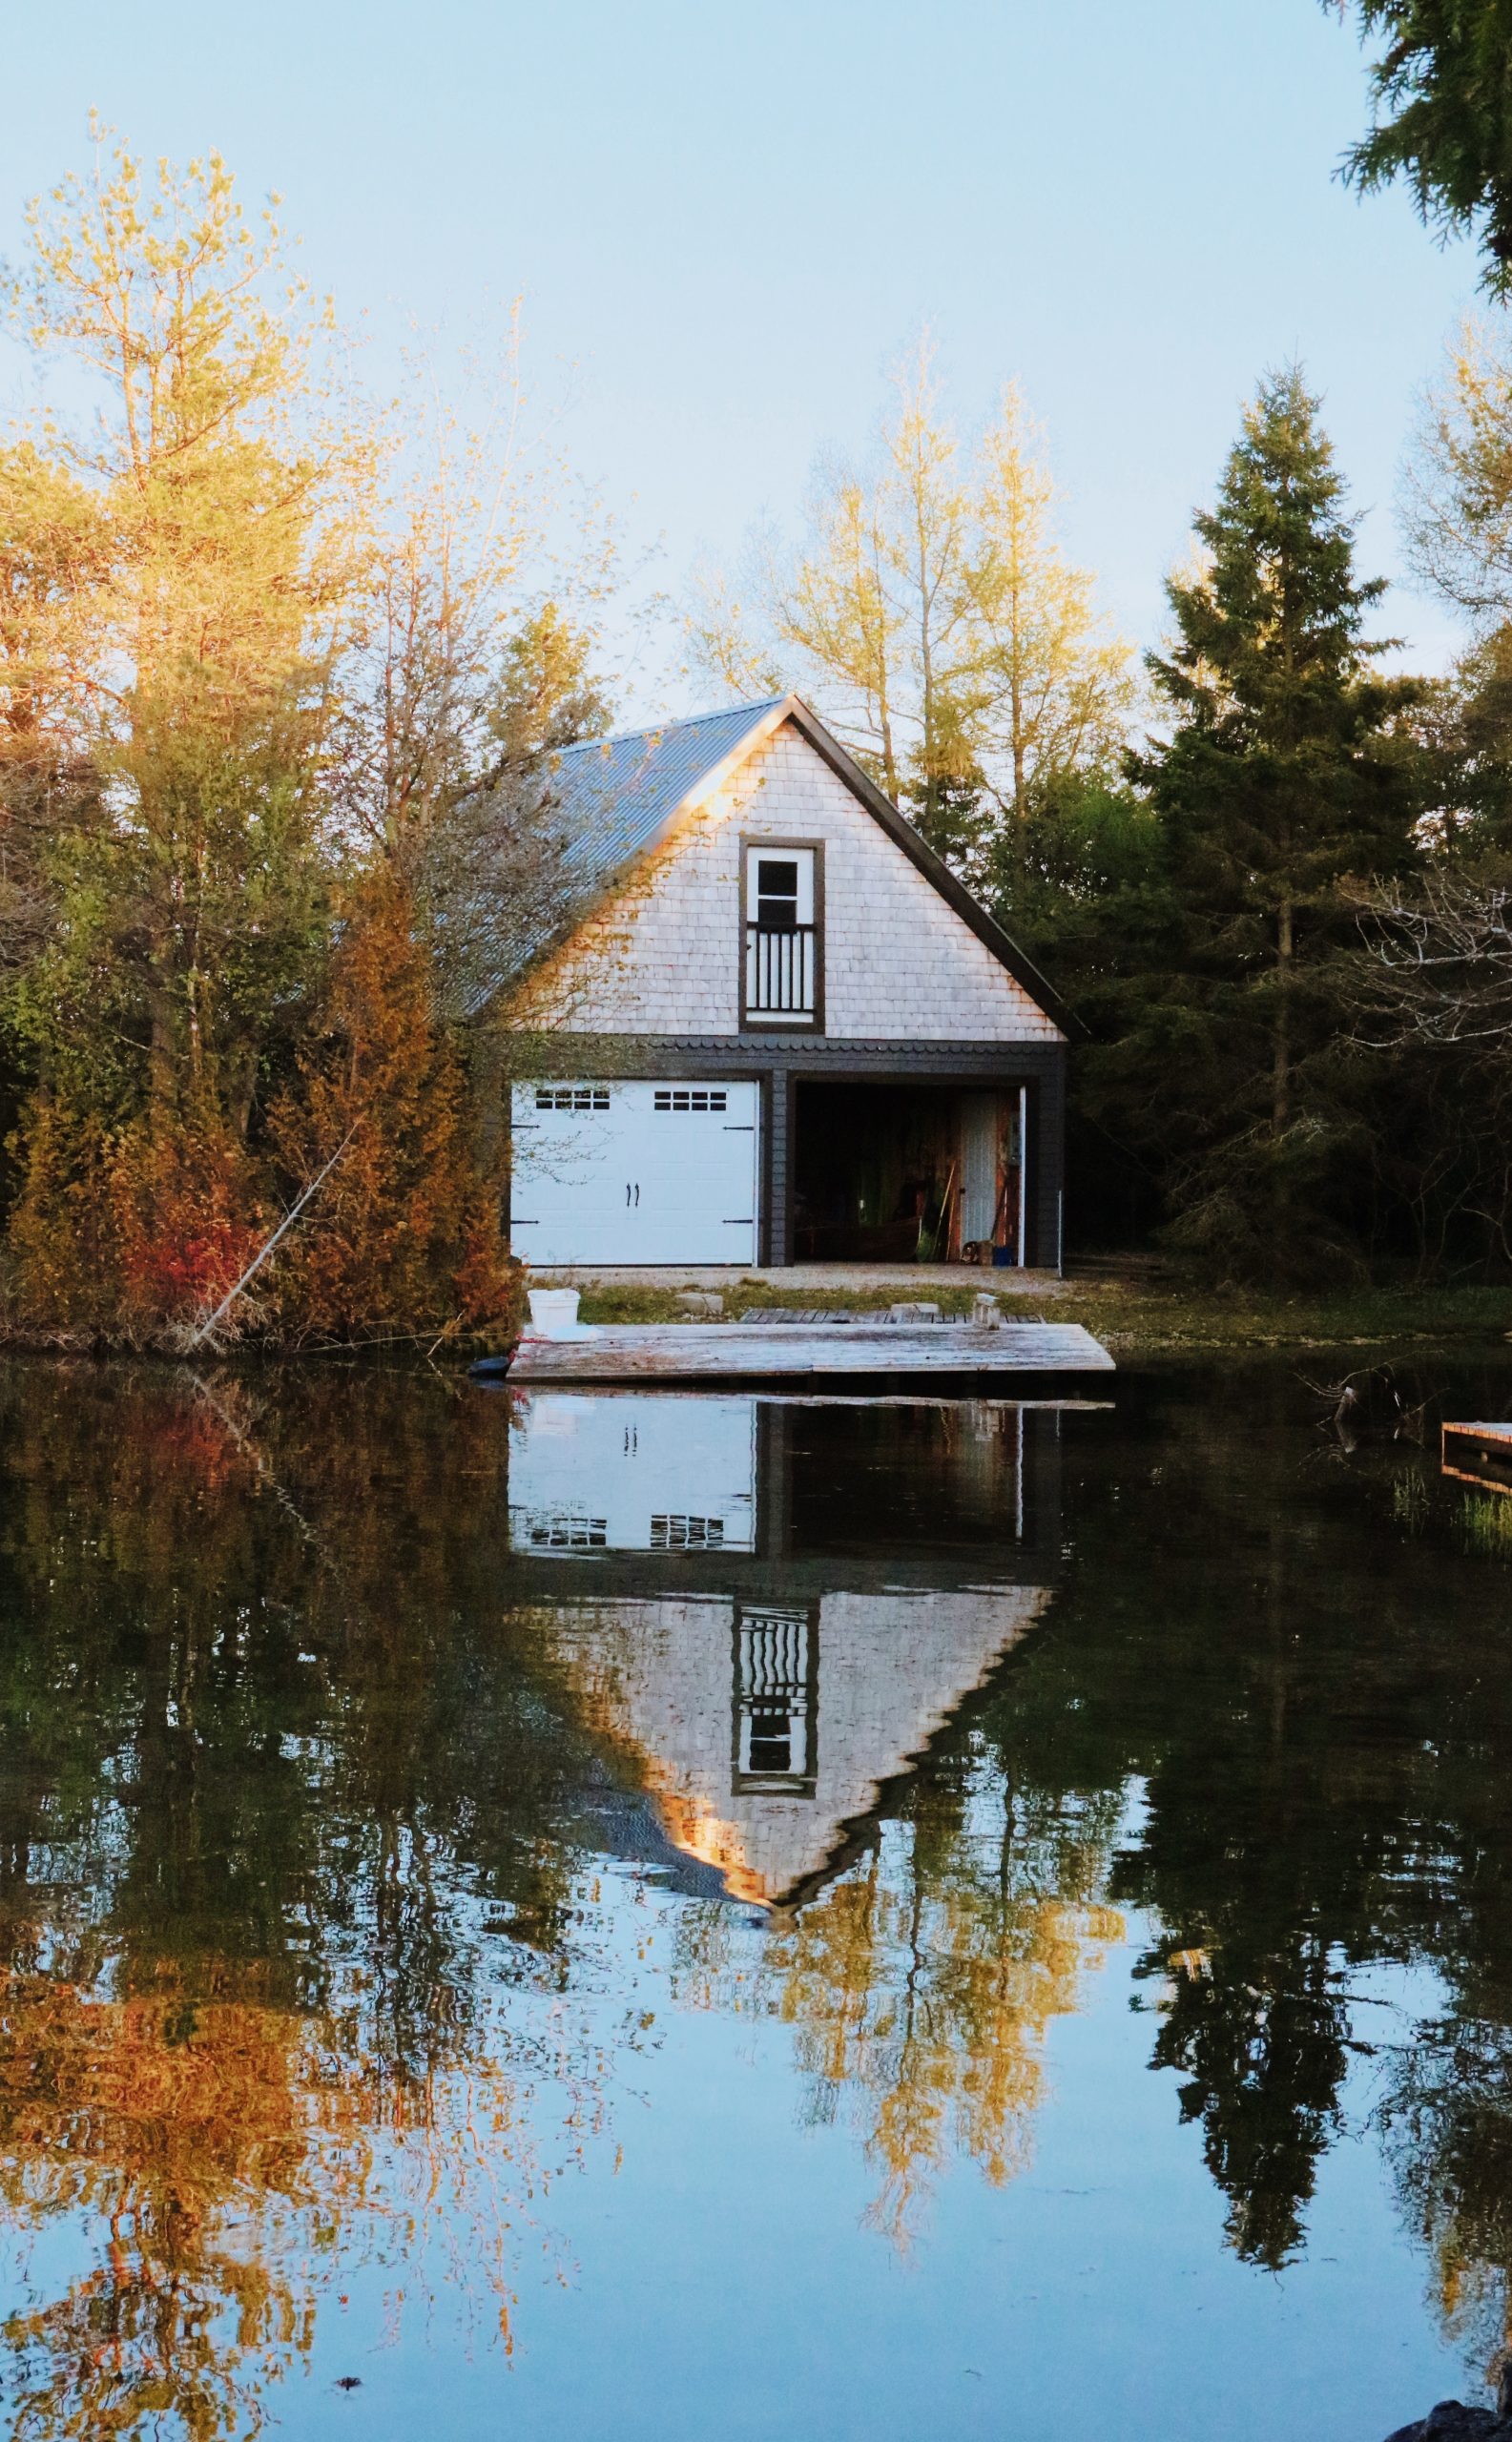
{"x": 775, "y": 1703}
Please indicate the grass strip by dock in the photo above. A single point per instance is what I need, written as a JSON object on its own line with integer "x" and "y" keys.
{"x": 1138, "y": 1316}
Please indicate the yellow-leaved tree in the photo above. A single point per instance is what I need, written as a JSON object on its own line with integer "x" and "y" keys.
{"x": 189, "y": 548}
{"x": 261, "y": 645}
{"x": 933, "y": 616}
{"x": 1053, "y": 685}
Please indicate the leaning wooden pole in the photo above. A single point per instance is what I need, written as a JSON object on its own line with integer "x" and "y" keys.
{"x": 287, "y": 1223}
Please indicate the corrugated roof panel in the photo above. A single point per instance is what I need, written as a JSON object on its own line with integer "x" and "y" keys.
{"x": 613, "y": 797}
{"x": 607, "y": 801}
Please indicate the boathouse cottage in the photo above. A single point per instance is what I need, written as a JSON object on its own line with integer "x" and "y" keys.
{"x": 774, "y": 1026}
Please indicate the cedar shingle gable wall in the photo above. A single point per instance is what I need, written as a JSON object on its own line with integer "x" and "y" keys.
{"x": 662, "y": 954}
{"x": 893, "y": 1668}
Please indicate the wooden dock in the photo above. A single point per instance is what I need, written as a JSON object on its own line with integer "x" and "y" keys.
{"x": 1478, "y": 1454}
{"x": 886, "y": 1353}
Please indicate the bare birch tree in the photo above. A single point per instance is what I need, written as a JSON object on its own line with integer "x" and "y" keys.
{"x": 1438, "y": 963}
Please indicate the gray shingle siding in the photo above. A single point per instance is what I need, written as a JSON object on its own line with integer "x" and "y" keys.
{"x": 613, "y": 801}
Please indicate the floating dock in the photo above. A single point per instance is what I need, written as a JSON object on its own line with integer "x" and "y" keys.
{"x": 884, "y": 1353}
{"x": 1478, "y": 1454}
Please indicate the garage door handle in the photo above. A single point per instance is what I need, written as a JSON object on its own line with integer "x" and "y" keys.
{"x": 629, "y": 1191}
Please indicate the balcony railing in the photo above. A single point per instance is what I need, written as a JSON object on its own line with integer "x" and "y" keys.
{"x": 777, "y": 1690}
{"x": 781, "y": 972}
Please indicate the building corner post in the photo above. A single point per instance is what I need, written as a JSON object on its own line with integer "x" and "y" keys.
{"x": 1048, "y": 1165}
{"x": 776, "y": 1219}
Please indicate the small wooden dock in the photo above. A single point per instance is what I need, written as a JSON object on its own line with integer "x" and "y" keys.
{"x": 1478, "y": 1454}
{"x": 885, "y": 1353}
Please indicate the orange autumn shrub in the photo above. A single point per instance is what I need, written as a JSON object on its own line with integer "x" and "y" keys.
{"x": 134, "y": 1231}
{"x": 404, "y": 1232}
{"x": 121, "y": 1232}
{"x": 191, "y": 1223}
{"x": 64, "y": 1238}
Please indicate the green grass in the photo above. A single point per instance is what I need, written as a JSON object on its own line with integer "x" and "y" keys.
{"x": 1154, "y": 1317}
{"x": 1486, "y": 1525}
{"x": 1412, "y": 1504}
{"x": 628, "y": 1305}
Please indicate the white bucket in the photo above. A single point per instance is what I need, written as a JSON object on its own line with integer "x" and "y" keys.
{"x": 553, "y": 1314}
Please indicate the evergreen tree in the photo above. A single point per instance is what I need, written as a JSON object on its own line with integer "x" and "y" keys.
{"x": 1083, "y": 885}
{"x": 179, "y": 569}
{"x": 1290, "y": 765}
{"x": 1442, "y": 89}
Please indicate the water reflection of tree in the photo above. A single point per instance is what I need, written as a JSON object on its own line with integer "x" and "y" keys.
{"x": 920, "y": 1984}
{"x": 290, "y": 1843}
{"x": 1261, "y": 2047}
{"x": 243, "y": 2161}
{"x": 265, "y": 1866}
{"x": 1446, "y": 2119}
{"x": 1320, "y": 1718}
{"x": 160, "y": 2122}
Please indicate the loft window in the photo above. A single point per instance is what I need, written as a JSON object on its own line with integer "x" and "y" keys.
{"x": 781, "y": 935}
{"x": 776, "y": 894}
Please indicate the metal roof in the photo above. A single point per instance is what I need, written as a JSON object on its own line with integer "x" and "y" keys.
{"x": 594, "y": 809}
{"x": 613, "y": 797}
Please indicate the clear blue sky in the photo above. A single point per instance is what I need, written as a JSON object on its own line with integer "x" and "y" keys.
{"x": 727, "y": 219}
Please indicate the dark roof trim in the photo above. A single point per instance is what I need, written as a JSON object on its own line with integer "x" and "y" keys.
{"x": 987, "y": 930}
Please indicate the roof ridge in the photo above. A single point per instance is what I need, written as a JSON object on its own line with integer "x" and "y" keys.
{"x": 663, "y": 729}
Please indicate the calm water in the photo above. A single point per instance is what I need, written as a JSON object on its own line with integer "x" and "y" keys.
{"x": 687, "y": 1917}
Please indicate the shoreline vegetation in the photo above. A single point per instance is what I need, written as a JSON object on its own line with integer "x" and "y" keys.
{"x": 286, "y": 669}
{"x": 1142, "y": 1315}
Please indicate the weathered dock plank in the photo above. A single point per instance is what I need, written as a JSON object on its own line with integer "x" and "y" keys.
{"x": 1478, "y": 1454}
{"x": 692, "y": 1351}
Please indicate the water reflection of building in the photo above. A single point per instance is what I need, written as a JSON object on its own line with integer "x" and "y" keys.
{"x": 625, "y": 1474}
{"x": 777, "y": 1605}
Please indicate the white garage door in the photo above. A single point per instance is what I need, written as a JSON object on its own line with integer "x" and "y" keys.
{"x": 634, "y": 1174}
